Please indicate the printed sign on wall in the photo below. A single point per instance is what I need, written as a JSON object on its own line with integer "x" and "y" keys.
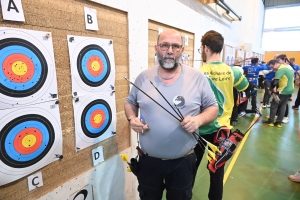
{"x": 12, "y": 10}
{"x": 34, "y": 181}
{"x": 98, "y": 155}
{"x": 91, "y": 21}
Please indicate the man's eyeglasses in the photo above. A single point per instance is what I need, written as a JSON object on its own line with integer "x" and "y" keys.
{"x": 166, "y": 46}
{"x": 199, "y": 50}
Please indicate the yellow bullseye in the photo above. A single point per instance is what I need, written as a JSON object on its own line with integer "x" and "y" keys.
{"x": 95, "y": 65}
{"x": 19, "y": 68}
{"x": 97, "y": 119}
{"x": 28, "y": 141}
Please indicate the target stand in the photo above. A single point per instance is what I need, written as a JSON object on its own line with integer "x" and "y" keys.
{"x": 27, "y": 74}
{"x": 95, "y": 119}
{"x": 30, "y": 138}
{"x": 92, "y": 64}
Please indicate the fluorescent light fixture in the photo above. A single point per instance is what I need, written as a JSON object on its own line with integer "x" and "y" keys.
{"x": 223, "y": 8}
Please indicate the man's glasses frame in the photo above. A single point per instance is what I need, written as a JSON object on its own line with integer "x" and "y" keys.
{"x": 166, "y": 46}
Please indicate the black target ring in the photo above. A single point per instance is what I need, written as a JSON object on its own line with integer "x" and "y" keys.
{"x": 87, "y": 128}
{"x": 41, "y": 66}
{"x": 82, "y": 63}
{"x": 7, "y": 159}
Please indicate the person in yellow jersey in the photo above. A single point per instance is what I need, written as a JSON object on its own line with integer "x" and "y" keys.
{"x": 223, "y": 80}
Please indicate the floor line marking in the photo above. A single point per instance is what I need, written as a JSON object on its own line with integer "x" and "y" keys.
{"x": 236, "y": 154}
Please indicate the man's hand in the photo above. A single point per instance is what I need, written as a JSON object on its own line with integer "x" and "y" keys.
{"x": 137, "y": 125}
{"x": 190, "y": 124}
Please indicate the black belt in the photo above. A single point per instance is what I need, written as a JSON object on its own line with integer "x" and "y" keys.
{"x": 188, "y": 153}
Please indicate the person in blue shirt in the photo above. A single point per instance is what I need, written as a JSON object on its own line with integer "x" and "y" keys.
{"x": 261, "y": 76}
{"x": 269, "y": 76}
{"x": 251, "y": 73}
{"x": 296, "y": 79}
{"x": 294, "y": 66}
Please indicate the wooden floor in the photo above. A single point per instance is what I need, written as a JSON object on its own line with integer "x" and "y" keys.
{"x": 260, "y": 170}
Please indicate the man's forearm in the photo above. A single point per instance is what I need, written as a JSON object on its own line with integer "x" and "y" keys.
{"x": 131, "y": 110}
{"x": 208, "y": 115}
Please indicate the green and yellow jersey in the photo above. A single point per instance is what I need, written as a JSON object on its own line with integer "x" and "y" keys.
{"x": 286, "y": 80}
{"x": 222, "y": 79}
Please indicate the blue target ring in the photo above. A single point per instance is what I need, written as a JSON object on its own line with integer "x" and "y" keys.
{"x": 95, "y": 107}
{"x": 8, "y": 153}
{"x": 12, "y": 134}
{"x": 14, "y": 49}
{"x": 82, "y": 65}
{"x": 9, "y": 87}
{"x": 86, "y": 125}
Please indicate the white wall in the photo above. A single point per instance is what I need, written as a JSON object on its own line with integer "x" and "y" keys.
{"x": 188, "y": 15}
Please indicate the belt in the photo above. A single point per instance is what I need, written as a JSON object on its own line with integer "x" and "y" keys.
{"x": 188, "y": 153}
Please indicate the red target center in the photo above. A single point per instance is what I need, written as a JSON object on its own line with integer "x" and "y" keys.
{"x": 18, "y": 68}
{"x": 25, "y": 135}
{"x": 97, "y": 118}
{"x": 95, "y": 65}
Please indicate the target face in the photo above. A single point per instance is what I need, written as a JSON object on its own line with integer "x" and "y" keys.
{"x": 92, "y": 64}
{"x": 27, "y": 70}
{"x": 28, "y": 142}
{"x": 228, "y": 60}
{"x": 95, "y": 119}
{"x": 85, "y": 193}
{"x": 186, "y": 60}
{"x": 24, "y": 68}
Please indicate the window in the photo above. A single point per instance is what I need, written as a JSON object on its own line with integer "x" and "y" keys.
{"x": 282, "y": 29}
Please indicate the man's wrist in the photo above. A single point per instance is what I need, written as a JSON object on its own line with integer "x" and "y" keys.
{"x": 129, "y": 119}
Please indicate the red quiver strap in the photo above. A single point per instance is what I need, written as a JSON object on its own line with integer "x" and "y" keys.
{"x": 241, "y": 99}
{"x": 227, "y": 147}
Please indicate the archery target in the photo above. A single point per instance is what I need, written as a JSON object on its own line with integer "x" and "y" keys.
{"x": 185, "y": 60}
{"x": 85, "y": 193}
{"x": 27, "y": 74}
{"x": 95, "y": 118}
{"x": 248, "y": 55}
{"x": 92, "y": 64}
{"x": 232, "y": 60}
{"x": 29, "y": 139}
{"x": 227, "y": 60}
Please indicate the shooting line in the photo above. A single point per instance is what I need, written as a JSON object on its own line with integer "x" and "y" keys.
{"x": 237, "y": 153}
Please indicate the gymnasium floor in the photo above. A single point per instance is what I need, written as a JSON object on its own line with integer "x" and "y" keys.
{"x": 262, "y": 162}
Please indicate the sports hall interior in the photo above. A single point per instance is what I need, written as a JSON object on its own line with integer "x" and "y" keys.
{"x": 264, "y": 159}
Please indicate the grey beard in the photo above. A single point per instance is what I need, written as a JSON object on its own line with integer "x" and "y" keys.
{"x": 168, "y": 65}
